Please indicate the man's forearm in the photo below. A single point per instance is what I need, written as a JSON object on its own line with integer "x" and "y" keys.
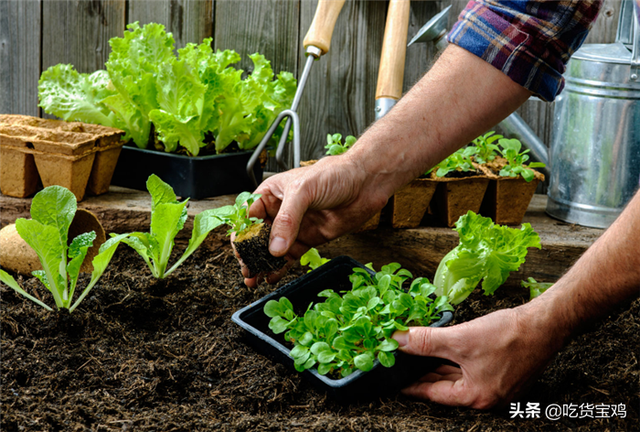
{"x": 607, "y": 274}
{"x": 458, "y": 99}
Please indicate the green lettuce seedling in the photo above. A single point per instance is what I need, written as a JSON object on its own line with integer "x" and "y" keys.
{"x": 52, "y": 211}
{"x": 236, "y": 216}
{"x": 458, "y": 161}
{"x": 352, "y": 331}
{"x": 485, "y": 147}
{"x": 313, "y": 259}
{"x": 334, "y": 144}
{"x": 167, "y": 220}
{"x": 535, "y": 288}
{"x": 510, "y": 150}
{"x": 487, "y": 253}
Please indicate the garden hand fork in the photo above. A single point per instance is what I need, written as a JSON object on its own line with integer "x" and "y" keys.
{"x": 316, "y": 43}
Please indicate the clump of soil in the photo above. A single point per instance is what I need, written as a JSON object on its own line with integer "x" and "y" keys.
{"x": 253, "y": 248}
{"x": 147, "y": 355}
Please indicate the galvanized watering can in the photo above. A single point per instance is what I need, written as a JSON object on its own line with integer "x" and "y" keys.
{"x": 594, "y": 157}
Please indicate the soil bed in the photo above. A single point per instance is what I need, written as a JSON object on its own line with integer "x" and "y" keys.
{"x": 143, "y": 355}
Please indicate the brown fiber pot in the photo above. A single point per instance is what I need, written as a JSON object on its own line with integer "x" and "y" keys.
{"x": 78, "y": 156}
{"x": 454, "y": 197}
{"x": 507, "y": 198}
{"x": 409, "y": 204}
{"x": 16, "y": 255}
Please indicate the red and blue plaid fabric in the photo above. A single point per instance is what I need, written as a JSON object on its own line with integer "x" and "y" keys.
{"x": 530, "y": 41}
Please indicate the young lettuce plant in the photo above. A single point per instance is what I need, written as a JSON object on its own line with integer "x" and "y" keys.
{"x": 510, "y": 150}
{"x": 486, "y": 252}
{"x": 535, "y": 288}
{"x": 352, "y": 331}
{"x": 334, "y": 144}
{"x": 486, "y": 150}
{"x": 167, "y": 220}
{"x": 458, "y": 161}
{"x": 313, "y": 259}
{"x": 236, "y": 216}
{"x": 52, "y": 211}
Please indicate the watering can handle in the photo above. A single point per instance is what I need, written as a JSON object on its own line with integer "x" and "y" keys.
{"x": 635, "y": 52}
{"x": 319, "y": 34}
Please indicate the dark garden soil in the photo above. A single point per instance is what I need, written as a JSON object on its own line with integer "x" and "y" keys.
{"x": 143, "y": 355}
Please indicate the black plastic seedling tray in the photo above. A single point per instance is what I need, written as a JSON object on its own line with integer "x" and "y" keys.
{"x": 303, "y": 291}
{"x": 192, "y": 177}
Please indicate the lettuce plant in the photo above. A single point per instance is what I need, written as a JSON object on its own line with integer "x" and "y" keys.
{"x": 313, "y": 259}
{"x": 184, "y": 97}
{"x": 351, "y": 331}
{"x": 334, "y": 144}
{"x": 236, "y": 216}
{"x": 510, "y": 150}
{"x": 458, "y": 161}
{"x": 486, "y": 150}
{"x": 167, "y": 220}
{"x": 52, "y": 211}
{"x": 486, "y": 252}
{"x": 535, "y": 288}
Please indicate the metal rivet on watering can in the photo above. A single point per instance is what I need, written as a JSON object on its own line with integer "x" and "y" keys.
{"x": 16, "y": 255}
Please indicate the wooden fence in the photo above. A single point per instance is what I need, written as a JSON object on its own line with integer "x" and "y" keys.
{"x": 339, "y": 97}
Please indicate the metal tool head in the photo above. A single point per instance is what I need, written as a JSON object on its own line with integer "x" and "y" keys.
{"x": 434, "y": 29}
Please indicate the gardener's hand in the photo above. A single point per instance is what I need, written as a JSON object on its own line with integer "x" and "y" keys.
{"x": 498, "y": 355}
{"x": 312, "y": 205}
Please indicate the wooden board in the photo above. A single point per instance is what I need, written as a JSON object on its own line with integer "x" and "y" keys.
{"x": 420, "y": 250}
{"x": 20, "y": 27}
{"x": 188, "y": 20}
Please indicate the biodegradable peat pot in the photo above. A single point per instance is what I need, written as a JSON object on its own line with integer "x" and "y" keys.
{"x": 507, "y": 198}
{"x": 301, "y": 292}
{"x": 253, "y": 248}
{"x": 409, "y": 204}
{"x": 16, "y": 255}
{"x": 59, "y": 152}
{"x": 190, "y": 176}
{"x": 455, "y": 196}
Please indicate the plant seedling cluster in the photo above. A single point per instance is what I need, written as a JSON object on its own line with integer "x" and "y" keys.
{"x": 458, "y": 161}
{"x": 52, "y": 211}
{"x": 167, "y": 220}
{"x": 334, "y": 144}
{"x": 485, "y": 147}
{"x": 510, "y": 150}
{"x": 351, "y": 331}
{"x": 236, "y": 216}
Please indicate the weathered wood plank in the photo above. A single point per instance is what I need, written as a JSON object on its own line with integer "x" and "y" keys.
{"x": 340, "y": 93}
{"x": 188, "y": 20}
{"x": 419, "y": 250}
{"x": 78, "y": 32}
{"x": 20, "y": 27}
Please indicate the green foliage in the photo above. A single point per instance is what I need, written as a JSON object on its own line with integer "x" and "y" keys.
{"x": 236, "y": 216}
{"x": 486, "y": 252}
{"x": 313, "y": 259}
{"x": 334, "y": 144}
{"x": 184, "y": 96}
{"x": 52, "y": 211}
{"x": 350, "y": 332}
{"x": 167, "y": 220}
{"x": 485, "y": 147}
{"x": 458, "y": 161}
{"x": 510, "y": 150}
{"x": 535, "y": 288}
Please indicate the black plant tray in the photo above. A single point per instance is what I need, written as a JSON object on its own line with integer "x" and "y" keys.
{"x": 301, "y": 292}
{"x": 195, "y": 177}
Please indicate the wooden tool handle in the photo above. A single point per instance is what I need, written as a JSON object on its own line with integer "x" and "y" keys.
{"x": 319, "y": 34}
{"x": 394, "y": 47}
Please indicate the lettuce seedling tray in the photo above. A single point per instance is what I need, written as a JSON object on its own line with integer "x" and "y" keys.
{"x": 190, "y": 176}
{"x": 301, "y": 292}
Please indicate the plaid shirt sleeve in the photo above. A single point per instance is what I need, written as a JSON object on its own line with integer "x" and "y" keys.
{"x": 530, "y": 41}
